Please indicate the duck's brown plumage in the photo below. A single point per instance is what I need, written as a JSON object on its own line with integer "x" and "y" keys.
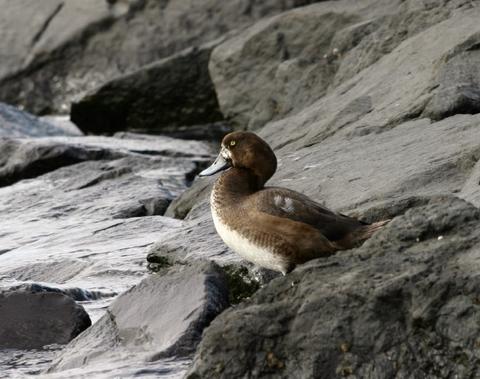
{"x": 282, "y": 227}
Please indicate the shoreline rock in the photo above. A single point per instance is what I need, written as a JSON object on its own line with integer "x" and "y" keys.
{"x": 162, "y": 316}
{"x": 31, "y": 320}
{"x": 176, "y": 91}
{"x": 403, "y": 304}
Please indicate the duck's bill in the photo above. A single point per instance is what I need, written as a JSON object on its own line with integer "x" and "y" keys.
{"x": 220, "y": 164}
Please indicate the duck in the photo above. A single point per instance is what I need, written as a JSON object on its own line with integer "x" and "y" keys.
{"x": 273, "y": 227}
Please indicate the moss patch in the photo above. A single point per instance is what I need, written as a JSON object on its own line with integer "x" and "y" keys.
{"x": 158, "y": 262}
{"x": 241, "y": 284}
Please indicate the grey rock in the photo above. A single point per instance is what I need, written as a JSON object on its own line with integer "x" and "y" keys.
{"x": 197, "y": 193}
{"x": 458, "y": 84}
{"x": 69, "y": 48}
{"x": 31, "y": 320}
{"x": 403, "y": 305}
{"x": 23, "y": 159}
{"x": 208, "y": 132}
{"x": 54, "y": 26}
{"x": 15, "y": 123}
{"x": 62, "y": 122}
{"x": 171, "y": 92}
{"x": 471, "y": 189}
{"x": 85, "y": 227}
{"x": 282, "y": 65}
{"x": 162, "y": 316}
{"x": 75, "y": 293}
{"x": 367, "y": 124}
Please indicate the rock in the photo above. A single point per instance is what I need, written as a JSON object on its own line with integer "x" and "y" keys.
{"x": 209, "y": 132}
{"x": 30, "y": 158}
{"x": 62, "y": 122}
{"x": 198, "y": 192}
{"x": 85, "y": 227}
{"x": 75, "y": 293}
{"x": 16, "y": 124}
{"x": 402, "y": 305}
{"x": 361, "y": 104}
{"x": 471, "y": 189}
{"x": 162, "y": 316}
{"x": 458, "y": 84}
{"x": 70, "y": 49}
{"x": 281, "y": 65}
{"x": 171, "y": 92}
{"x": 31, "y": 320}
{"x": 54, "y": 26}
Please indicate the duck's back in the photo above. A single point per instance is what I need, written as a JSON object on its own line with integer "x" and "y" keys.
{"x": 292, "y": 205}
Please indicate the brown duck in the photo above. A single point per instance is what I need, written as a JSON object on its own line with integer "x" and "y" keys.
{"x": 273, "y": 227}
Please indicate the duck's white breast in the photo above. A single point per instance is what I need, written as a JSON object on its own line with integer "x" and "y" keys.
{"x": 244, "y": 247}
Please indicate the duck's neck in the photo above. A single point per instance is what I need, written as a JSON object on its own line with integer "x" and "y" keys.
{"x": 236, "y": 183}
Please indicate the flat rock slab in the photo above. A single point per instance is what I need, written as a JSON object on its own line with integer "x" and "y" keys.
{"x": 162, "y": 316}
{"x": 31, "y": 320}
{"x": 407, "y": 84}
{"x": 403, "y": 305}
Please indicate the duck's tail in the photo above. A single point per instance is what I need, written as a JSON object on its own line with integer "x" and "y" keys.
{"x": 359, "y": 235}
{"x": 367, "y": 231}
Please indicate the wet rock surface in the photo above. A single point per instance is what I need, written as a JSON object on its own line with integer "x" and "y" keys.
{"x": 162, "y": 316}
{"x": 33, "y": 319}
{"x": 371, "y": 107}
{"x": 113, "y": 198}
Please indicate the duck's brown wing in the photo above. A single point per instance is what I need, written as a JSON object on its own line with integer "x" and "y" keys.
{"x": 282, "y": 202}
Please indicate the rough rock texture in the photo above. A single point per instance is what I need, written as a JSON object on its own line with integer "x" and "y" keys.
{"x": 285, "y": 63}
{"x": 30, "y": 320}
{"x": 199, "y": 192}
{"x": 162, "y": 316}
{"x": 172, "y": 92}
{"x": 403, "y": 305}
{"x": 372, "y": 109}
{"x": 72, "y": 47}
{"x": 15, "y": 123}
{"x": 471, "y": 189}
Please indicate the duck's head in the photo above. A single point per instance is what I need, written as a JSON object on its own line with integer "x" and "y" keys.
{"x": 244, "y": 150}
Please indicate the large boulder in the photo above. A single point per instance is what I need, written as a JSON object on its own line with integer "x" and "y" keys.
{"x": 172, "y": 92}
{"x": 31, "y": 320}
{"x": 54, "y": 26}
{"x": 162, "y": 316}
{"x": 281, "y": 65}
{"x": 403, "y": 305}
{"x": 70, "y": 47}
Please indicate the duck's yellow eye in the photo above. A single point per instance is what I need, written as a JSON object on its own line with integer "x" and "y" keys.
{"x": 232, "y": 143}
